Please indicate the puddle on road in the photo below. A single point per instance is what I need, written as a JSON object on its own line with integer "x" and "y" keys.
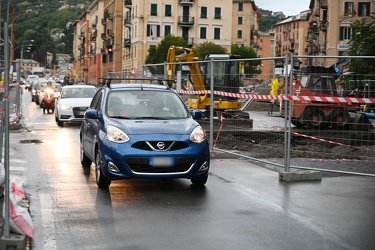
{"x": 32, "y": 141}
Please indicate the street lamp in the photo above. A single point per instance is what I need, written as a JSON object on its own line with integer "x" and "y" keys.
{"x": 12, "y": 33}
{"x": 20, "y": 65}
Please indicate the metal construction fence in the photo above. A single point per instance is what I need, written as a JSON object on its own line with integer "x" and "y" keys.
{"x": 292, "y": 111}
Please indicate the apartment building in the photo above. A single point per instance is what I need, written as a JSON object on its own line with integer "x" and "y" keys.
{"x": 291, "y": 33}
{"x": 265, "y": 45}
{"x": 330, "y": 31}
{"x": 115, "y": 35}
{"x": 244, "y": 23}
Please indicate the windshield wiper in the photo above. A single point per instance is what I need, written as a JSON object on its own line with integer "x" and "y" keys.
{"x": 150, "y": 117}
{"x": 120, "y": 117}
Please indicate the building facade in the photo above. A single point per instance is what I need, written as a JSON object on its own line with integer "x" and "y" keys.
{"x": 330, "y": 31}
{"x": 115, "y": 36}
{"x": 291, "y": 33}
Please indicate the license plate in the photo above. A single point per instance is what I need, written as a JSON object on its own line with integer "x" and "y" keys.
{"x": 161, "y": 162}
{"x": 81, "y": 112}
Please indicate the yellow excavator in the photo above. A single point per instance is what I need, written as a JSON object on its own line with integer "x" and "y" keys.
{"x": 226, "y": 78}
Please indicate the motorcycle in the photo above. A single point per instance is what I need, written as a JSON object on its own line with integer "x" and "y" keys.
{"x": 48, "y": 102}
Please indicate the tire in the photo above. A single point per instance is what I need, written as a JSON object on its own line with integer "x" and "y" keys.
{"x": 60, "y": 123}
{"x": 101, "y": 180}
{"x": 297, "y": 123}
{"x": 314, "y": 118}
{"x": 85, "y": 161}
{"x": 199, "y": 181}
{"x": 340, "y": 119}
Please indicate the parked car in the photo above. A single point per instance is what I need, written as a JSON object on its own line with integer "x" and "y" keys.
{"x": 73, "y": 102}
{"x": 142, "y": 131}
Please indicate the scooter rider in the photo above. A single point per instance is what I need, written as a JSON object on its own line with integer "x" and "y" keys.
{"x": 48, "y": 101}
{"x": 48, "y": 87}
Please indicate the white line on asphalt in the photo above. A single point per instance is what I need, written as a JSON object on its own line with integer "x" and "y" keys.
{"x": 49, "y": 237}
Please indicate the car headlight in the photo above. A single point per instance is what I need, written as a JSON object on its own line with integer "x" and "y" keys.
{"x": 116, "y": 135}
{"x": 197, "y": 135}
{"x": 65, "y": 107}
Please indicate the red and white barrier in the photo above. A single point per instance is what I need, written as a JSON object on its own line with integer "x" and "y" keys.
{"x": 330, "y": 99}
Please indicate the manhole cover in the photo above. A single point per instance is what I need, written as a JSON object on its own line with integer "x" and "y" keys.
{"x": 30, "y": 141}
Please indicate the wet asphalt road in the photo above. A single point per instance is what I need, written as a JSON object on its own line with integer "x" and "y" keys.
{"x": 243, "y": 206}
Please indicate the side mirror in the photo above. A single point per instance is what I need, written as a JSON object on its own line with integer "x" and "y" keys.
{"x": 91, "y": 114}
{"x": 197, "y": 115}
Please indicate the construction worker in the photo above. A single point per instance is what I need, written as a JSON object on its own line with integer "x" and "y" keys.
{"x": 274, "y": 91}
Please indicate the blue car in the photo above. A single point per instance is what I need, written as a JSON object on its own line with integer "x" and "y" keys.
{"x": 142, "y": 131}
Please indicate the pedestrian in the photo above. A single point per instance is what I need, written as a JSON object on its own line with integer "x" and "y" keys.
{"x": 274, "y": 92}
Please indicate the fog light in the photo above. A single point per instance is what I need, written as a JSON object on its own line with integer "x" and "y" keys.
{"x": 204, "y": 166}
{"x": 112, "y": 167}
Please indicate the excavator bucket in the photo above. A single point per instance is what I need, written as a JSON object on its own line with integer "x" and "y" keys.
{"x": 361, "y": 122}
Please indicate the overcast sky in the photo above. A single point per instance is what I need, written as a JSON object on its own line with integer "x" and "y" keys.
{"x": 288, "y": 7}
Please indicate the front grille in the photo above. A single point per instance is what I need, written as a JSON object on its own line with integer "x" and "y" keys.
{"x": 79, "y": 111}
{"x": 152, "y": 145}
{"x": 141, "y": 165}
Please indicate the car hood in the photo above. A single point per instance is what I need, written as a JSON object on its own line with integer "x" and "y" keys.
{"x": 180, "y": 126}
{"x": 75, "y": 101}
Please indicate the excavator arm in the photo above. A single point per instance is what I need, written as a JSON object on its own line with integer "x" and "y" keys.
{"x": 189, "y": 56}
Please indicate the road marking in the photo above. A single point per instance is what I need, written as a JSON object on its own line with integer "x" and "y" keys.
{"x": 49, "y": 235}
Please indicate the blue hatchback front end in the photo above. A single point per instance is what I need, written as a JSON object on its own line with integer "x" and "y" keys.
{"x": 142, "y": 131}
{"x": 160, "y": 149}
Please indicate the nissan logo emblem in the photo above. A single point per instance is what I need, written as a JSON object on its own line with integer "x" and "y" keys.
{"x": 160, "y": 145}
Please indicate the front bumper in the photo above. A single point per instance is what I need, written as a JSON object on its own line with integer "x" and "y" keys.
{"x": 125, "y": 161}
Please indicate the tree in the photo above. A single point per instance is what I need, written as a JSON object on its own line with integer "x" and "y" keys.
{"x": 158, "y": 54}
{"x": 363, "y": 44}
{"x": 208, "y": 48}
{"x": 250, "y": 66}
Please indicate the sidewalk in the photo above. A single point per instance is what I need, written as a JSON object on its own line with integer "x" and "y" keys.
{"x": 15, "y": 241}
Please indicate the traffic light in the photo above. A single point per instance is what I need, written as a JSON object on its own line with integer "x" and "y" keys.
{"x": 132, "y": 72}
{"x": 109, "y": 49}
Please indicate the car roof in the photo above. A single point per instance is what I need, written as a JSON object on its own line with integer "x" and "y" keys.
{"x": 78, "y": 86}
{"x": 138, "y": 86}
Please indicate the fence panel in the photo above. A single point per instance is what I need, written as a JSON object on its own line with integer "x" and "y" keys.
{"x": 299, "y": 112}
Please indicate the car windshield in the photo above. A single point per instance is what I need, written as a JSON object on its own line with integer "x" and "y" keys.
{"x": 144, "y": 104}
{"x": 78, "y": 93}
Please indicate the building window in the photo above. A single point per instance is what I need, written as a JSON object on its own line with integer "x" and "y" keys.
{"x": 239, "y": 20}
{"x": 167, "y": 30}
{"x": 153, "y": 30}
{"x": 203, "y": 12}
{"x": 364, "y": 9}
{"x": 345, "y": 33}
{"x": 239, "y": 33}
{"x": 217, "y": 33}
{"x": 168, "y": 10}
{"x": 217, "y": 13}
{"x": 348, "y": 9}
{"x": 203, "y": 33}
{"x": 240, "y": 6}
{"x": 154, "y": 9}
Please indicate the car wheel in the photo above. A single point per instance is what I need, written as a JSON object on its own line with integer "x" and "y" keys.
{"x": 59, "y": 123}
{"x": 85, "y": 161}
{"x": 199, "y": 181}
{"x": 101, "y": 180}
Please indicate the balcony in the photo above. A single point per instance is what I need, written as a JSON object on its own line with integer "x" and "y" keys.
{"x": 324, "y": 4}
{"x": 127, "y": 22}
{"x": 127, "y": 43}
{"x": 110, "y": 32}
{"x": 128, "y": 4}
{"x": 185, "y": 21}
{"x": 323, "y": 26}
{"x": 186, "y": 2}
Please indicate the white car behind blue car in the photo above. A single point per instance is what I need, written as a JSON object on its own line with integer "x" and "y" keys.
{"x": 73, "y": 102}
